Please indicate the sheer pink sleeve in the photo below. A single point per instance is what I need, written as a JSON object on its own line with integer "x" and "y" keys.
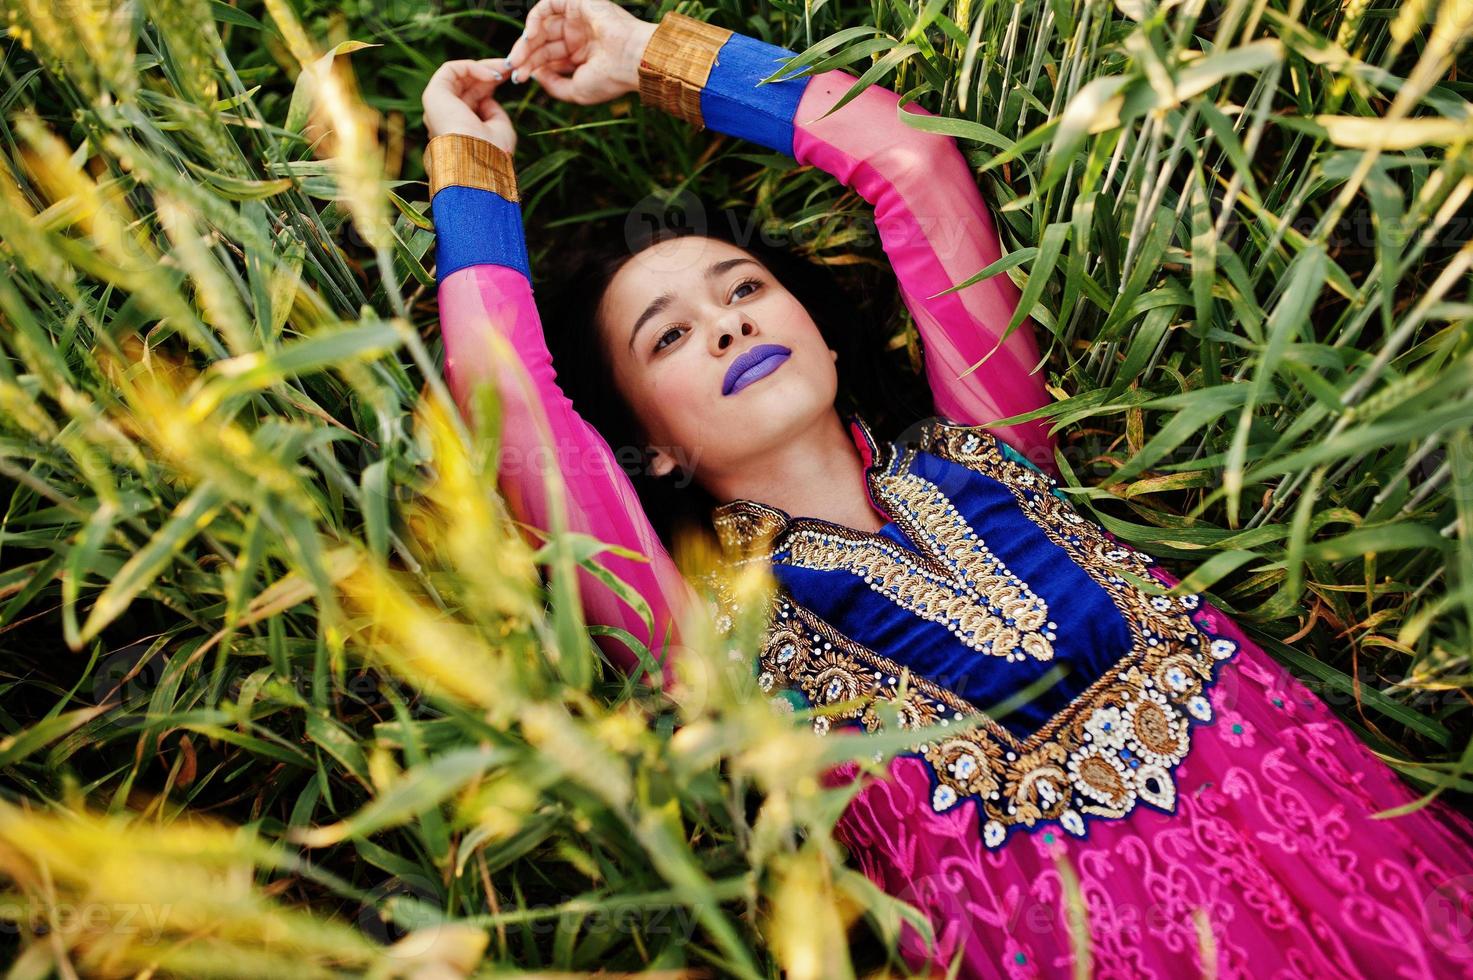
{"x": 492, "y": 332}
{"x": 931, "y": 218}
{"x": 936, "y": 232}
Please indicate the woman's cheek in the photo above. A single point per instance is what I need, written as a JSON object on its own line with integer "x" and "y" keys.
{"x": 691, "y": 391}
{"x": 680, "y": 395}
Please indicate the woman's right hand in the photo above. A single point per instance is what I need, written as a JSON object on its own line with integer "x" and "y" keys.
{"x": 582, "y": 51}
{"x": 460, "y": 97}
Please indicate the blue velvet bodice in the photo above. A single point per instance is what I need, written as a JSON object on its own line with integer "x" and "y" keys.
{"x": 984, "y": 582}
{"x": 1089, "y": 632}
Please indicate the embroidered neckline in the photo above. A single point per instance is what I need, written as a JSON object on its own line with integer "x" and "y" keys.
{"x": 949, "y": 575}
{"x": 1115, "y": 745}
{"x": 952, "y": 578}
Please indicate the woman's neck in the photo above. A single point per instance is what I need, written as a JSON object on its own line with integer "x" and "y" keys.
{"x": 818, "y": 473}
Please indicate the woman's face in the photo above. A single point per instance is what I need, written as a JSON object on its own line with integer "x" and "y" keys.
{"x": 719, "y": 362}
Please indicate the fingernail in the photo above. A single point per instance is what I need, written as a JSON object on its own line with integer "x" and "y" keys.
{"x": 518, "y": 77}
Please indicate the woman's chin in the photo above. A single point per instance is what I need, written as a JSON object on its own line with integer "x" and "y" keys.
{"x": 779, "y": 413}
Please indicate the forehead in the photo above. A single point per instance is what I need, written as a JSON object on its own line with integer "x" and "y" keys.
{"x": 676, "y": 265}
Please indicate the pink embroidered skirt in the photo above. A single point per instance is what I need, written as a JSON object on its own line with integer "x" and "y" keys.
{"x": 1272, "y": 865}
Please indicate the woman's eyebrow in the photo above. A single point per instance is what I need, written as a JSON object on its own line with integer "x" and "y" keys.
{"x": 662, "y": 302}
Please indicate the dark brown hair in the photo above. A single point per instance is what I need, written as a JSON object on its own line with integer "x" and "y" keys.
{"x": 855, "y": 312}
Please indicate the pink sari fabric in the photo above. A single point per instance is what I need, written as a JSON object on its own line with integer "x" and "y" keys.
{"x": 1273, "y": 854}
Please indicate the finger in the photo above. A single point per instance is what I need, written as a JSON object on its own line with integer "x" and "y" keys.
{"x": 552, "y": 28}
{"x": 475, "y": 94}
{"x": 552, "y": 8}
{"x": 563, "y": 66}
{"x": 545, "y": 56}
{"x": 540, "y": 51}
{"x": 538, "y": 28}
{"x": 476, "y": 84}
{"x": 478, "y": 73}
{"x": 560, "y": 87}
{"x": 526, "y": 43}
{"x": 454, "y": 77}
{"x": 491, "y": 68}
{"x": 547, "y": 45}
{"x": 444, "y": 76}
{"x": 462, "y": 67}
{"x": 470, "y": 88}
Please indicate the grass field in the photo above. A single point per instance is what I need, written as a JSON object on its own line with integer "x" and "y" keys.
{"x": 282, "y": 693}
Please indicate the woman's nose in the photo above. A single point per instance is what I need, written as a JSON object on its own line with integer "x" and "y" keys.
{"x": 725, "y": 335}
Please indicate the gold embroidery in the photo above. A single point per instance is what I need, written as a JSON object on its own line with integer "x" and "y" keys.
{"x": 1085, "y": 542}
{"x": 802, "y": 651}
{"x": 745, "y": 526}
{"x": 955, "y": 580}
{"x": 1016, "y": 620}
{"x": 1114, "y": 745}
{"x": 959, "y": 584}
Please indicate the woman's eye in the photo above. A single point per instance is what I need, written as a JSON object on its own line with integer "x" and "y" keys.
{"x": 667, "y": 338}
{"x": 749, "y": 284}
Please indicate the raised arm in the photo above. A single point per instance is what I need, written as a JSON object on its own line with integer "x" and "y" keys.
{"x": 932, "y": 221}
{"x": 492, "y": 331}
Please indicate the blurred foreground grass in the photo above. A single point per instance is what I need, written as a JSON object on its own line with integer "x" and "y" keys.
{"x": 282, "y": 691}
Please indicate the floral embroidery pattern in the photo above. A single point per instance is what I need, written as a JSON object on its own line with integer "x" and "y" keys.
{"x": 804, "y": 652}
{"x": 1114, "y": 746}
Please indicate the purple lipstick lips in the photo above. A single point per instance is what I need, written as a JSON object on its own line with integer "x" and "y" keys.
{"x": 753, "y": 365}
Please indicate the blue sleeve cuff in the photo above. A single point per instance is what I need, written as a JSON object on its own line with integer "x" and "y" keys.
{"x": 477, "y": 227}
{"x": 732, "y": 102}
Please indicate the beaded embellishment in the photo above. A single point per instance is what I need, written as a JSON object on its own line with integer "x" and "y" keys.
{"x": 957, "y": 582}
{"x": 1114, "y": 746}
